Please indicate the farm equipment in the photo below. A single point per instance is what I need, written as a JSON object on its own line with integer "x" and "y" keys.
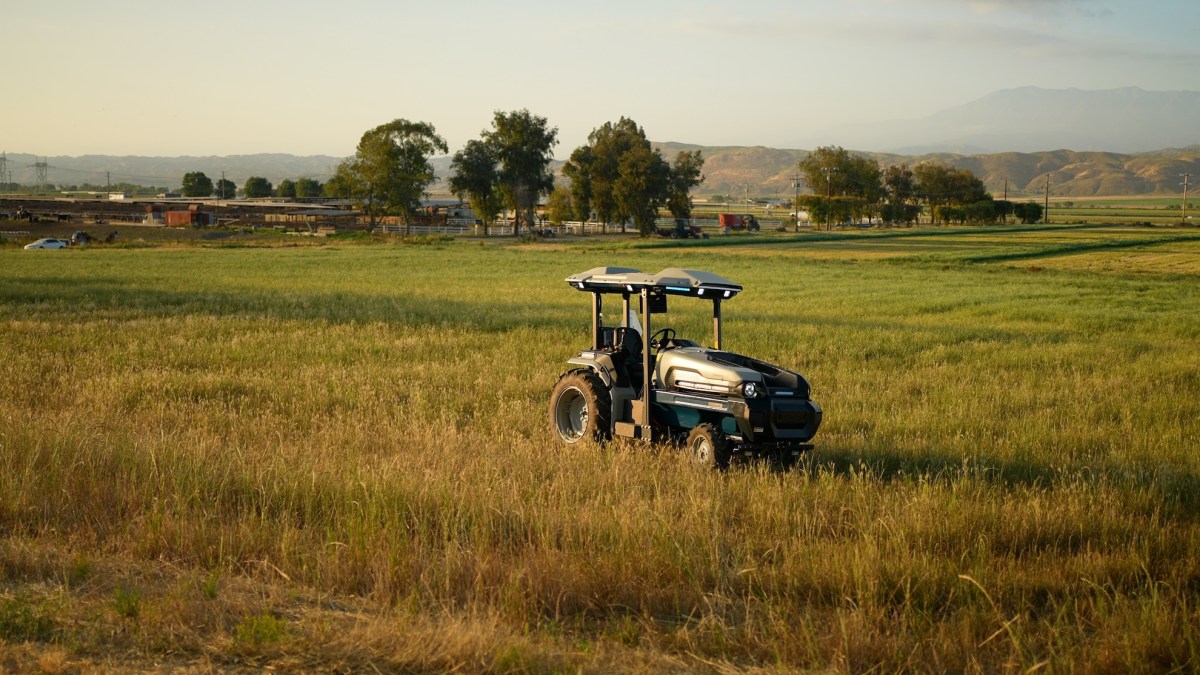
{"x": 737, "y": 221}
{"x": 655, "y": 386}
{"x": 682, "y": 230}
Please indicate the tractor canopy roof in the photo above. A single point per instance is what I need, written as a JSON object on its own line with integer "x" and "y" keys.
{"x": 673, "y": 281}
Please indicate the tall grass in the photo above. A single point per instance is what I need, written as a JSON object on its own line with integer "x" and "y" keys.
{"x": 1006, "y": 477}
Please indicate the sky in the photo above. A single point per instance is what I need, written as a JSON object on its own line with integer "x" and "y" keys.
{"x": 129, "y": 77}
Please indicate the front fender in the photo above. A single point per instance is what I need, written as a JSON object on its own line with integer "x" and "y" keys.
{"x": 599, "y": 363}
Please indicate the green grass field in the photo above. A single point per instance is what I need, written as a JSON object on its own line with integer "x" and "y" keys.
{"x": 316, "y": 455}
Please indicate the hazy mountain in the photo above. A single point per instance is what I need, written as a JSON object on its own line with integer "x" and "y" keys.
{"x": 1031, "y": 119}
{"x": 760, "y": 171}
{"x": 755, "y": 171}
{"x": 168, "y": 171}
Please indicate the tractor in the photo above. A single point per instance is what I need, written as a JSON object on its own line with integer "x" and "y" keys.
{"x": 652, "y": 385}
{"x": 682, "y": 229}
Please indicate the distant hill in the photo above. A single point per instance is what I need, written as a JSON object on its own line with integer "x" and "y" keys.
{"x": 769, "y": 172}
{"x": 756, "y": 171}
{"x": 1029, "y": 119}
{"x": 168, "y": 171}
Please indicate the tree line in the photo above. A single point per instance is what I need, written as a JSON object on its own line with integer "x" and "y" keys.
{"x": 196, "y": 184}
{"x": 851, "y": 188}
{"x": 617, "y": 177}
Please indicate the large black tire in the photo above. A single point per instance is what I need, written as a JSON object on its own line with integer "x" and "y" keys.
{"x": 580, "y": 408}
{"x": 708, "y": 447}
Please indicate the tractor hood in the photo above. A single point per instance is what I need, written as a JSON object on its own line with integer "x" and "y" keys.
{"x": 710, "y": 371}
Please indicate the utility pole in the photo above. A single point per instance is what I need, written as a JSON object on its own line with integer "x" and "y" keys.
{"x": 796, "y": 204}
{"x": 1186, "y": 177}
{"x": 829, "y": 196}
{"x": 107, "y": 183}
{"x": 1046, "y": 203}
{"x": 4, "y": 168}
{"x": 1006, "y": 204}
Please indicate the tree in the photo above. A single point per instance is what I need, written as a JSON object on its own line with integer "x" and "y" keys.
{"x": 558, "y": 205}
{"x": 307, "y": 188}
{"x": 226, "y": 189}
{"x": 643, "y": 180}
{"x": 620, "y": 175}
{"x": 941, "y": 185}
{"x": 1028, "y": 212}
{"x": 390, "y": 170}
{"x": 256, "y": 187}
{"x": 287, "y": 189}
{"x": 196, "y": 184}
{"x": 577, "y": 171}
{"x": 523, "y": 144}
{"x": 685, "y": 175}
{"x": 832, "y": 171}
{"x": 900, "y": 195}
{"x": 476, "y": 176}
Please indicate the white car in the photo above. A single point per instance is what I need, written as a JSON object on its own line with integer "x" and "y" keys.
{"x": 48, "y": 242}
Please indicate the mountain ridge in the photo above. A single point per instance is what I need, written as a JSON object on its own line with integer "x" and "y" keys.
{"x": 1031, "y": 119}
{"x": 737, "y": 170}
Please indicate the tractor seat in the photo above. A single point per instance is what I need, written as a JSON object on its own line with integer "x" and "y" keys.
{"x": 629, "y": 341}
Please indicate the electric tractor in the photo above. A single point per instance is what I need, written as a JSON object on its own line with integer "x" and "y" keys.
{"x": 652, "y": 385}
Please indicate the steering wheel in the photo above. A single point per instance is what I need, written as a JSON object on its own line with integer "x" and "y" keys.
{"x": 661, "y": 337}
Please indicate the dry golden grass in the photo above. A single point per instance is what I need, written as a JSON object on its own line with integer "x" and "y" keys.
{"x": 336, "y": 457}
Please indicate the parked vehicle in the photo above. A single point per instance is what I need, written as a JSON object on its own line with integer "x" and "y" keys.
{"x": 48, "y": 242}
{"x": 682, "y": 230}
{"x": 646, "y": 385}
{"x": 737, "y": 221}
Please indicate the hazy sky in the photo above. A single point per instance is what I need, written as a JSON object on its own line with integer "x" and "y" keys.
{"x": 215, "y": 78}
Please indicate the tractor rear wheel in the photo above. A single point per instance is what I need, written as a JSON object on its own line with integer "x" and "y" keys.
{"x": 580, "y": 408}
{"x": 708, "y": 447}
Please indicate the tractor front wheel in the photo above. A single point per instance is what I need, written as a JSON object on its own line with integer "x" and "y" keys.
{"x": 580, "y": 408}
{"x": 708, "y": 447}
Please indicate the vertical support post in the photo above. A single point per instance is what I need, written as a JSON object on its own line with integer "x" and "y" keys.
{"x": 625, "y": 310}
{"x": 597, "y": 326}
{"x": 1046, "y": 204}
{"x": 644, "y": 417}
{"x": 716, "y": 323}
{"x": 1186, "y": 177}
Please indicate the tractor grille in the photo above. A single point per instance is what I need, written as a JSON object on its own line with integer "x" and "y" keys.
{"x": 791, "y": 415}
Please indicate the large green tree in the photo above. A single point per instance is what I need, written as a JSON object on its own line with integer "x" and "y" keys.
{"x": 559, "y": 206}
{"x": 621, "y": 176}
{"x": 940, "y": 185}
{"x": 226, "y": 189}
{"x": 686, "y": 173}
{"x": 257, "y": 187}
{"x": 900, "y": 195}
{"x": 287, "y": 188}
{"x": 643, "y": 180}
{"x": 833, "y": 172}
{"x": 477, "y": 177}
{"x": 196, "y": 184}
{"x": 308, "y": 188}
{"x": 523, "y": 144}
{"x": 390, "y": 169}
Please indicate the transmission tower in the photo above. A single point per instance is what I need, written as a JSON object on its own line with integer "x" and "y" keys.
{"x": 41, "y": 168}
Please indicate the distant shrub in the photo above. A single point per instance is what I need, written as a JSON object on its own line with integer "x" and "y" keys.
{"x": 23, "y": 620}
{"x": 257, "y": 630}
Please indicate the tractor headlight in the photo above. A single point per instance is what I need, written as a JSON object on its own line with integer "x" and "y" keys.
{"x": 752, "y": 390}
